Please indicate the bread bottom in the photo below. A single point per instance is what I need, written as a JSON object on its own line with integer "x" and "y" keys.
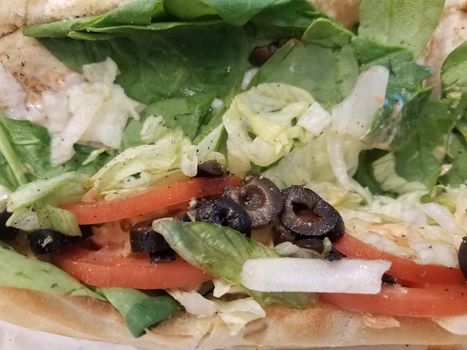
{"x": 320, "y": 326}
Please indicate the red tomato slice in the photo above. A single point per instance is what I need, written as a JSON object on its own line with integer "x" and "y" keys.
{"x": 158, "y": 198}
{"x": 433, "y": 301}
{"x": 104, "y": 268}
{"x": 403, "y": 269}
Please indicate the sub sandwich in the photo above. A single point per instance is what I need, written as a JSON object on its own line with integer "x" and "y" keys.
{"x": 218, "y": 174}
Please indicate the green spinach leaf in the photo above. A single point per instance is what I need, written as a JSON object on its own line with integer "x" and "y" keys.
{"x": 136, "y": 13}
{"x": 421, "y": 146}
{"x": 179, "y": 62}
{"x": 364, "y": 174}
{"x": 25, "y": 155}
{"x": 284, "y": 20}
{"x": 372, "y": 53}
{"x": 408, "y": 24}
{"x": 403, "y": 94}
{"x": 323, "y": 63}
{"x": 141, "y": 311}
{"x": 454, "y": 71}
{"x": 239, "y": 12}
{"x": 457, "y": 158}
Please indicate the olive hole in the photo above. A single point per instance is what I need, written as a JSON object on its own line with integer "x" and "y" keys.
{"x": 254, "y": 198}
{"x": 303, "y": 212}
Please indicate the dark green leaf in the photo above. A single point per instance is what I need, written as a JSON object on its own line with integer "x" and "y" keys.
{"x": 25, "y": 154}
{"x": 188, "y": 10}
{"x": 285, "y": 20}
{"x": 457, "y": 158}
{"x": 187, "y": 113}
{"x": 179, "y": 62}
{"x": 326, "y": 33}
{"x": 403, "y": 96}
{"x": 364, "y": 174}
{"x": 136, "y": 13}
{"x": 422, "y": 144}
{"x": 321, "y": 66}
{"x": 239, "y": 12}
{"x": 402, "y": 23}
{"x": 454, "y": 70}
{"x": 184, "y": 112}
{"x": 371, "y": 53}
{"x": 140, "y": 310}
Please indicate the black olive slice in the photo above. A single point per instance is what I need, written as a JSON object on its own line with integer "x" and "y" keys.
{"x": 163, "y": 256}
{"x": 211, "y": 168}
{"x": 281, "y": 234}
{"x": 261, "y": 54}
{"x": 307, "y": 214}
{"x": 388, "y": 279}
{"x": 334, "y": 256}
{"x": 6, "y": 232}
{"x": 462, "y": 255}
{"x": 145, "y": 240}
{"x": 260, "y": 197}
{"x": 224, "y": 212}
{"x": 48, "y": 241}
{"x": 311, "y": 243}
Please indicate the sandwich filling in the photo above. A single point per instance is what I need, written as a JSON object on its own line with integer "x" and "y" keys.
{"x": 213, "y": 158}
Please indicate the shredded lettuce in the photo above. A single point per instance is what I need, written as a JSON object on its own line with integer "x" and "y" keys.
{"x": 140, "y": 167}
{"x": 234, "y": 313}
{"x": 331, "y": 154}
{"x": 301, "y": 165}
{"x": 35, "y": 205}
{"x": 97, "y": 111}
{"x": 384, "y": 171}
{"x": 316, "y": 120}
{"x": 193, "y": 302}
{"x": 260, "y": 124}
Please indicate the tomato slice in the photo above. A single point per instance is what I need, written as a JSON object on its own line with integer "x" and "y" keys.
{"x": 403, "y": 269}
{"x": 158, "y": 198}
{"x": 104, "y": 268}
{"x": 432, "y": 301}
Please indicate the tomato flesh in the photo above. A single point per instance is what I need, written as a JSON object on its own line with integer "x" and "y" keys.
{"x": 432, "y": 301}
{"x": 104, "y": 268}
{"x": 402, "y": 269}
{"x": 140, "y": 204}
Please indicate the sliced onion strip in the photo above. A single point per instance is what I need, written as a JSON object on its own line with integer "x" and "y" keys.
{"x": 314, "y": 275}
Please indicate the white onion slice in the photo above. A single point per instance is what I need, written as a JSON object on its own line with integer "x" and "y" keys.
{"x": 314, "y": 275}
{"x": 354, "y": 115}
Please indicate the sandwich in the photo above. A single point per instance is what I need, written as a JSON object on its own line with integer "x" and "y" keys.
{"x": 217, "y": 174}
